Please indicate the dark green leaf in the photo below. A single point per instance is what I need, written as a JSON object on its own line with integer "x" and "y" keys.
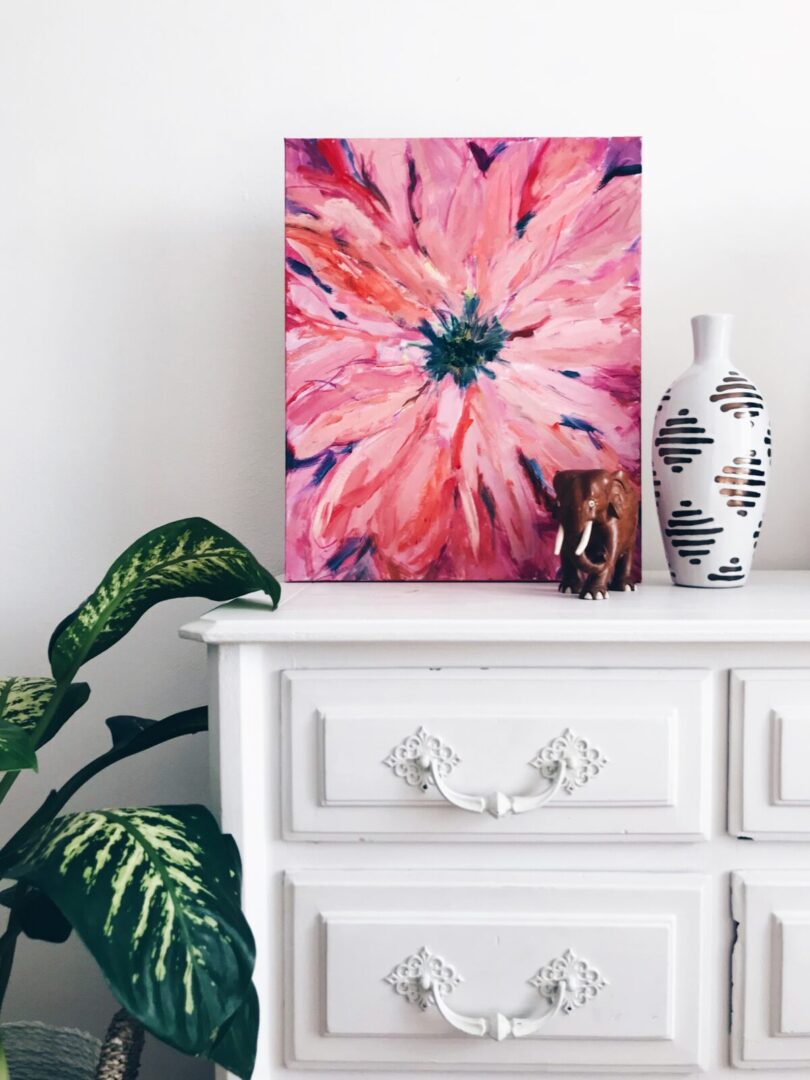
{"x": 152, "y": 894}
{"x": 132, "y": 734}
{"x": 24, "y": 699}
{"x": 191, "y": 557}
{"x": 41, "y": 919}
{"x": 235, "y": 1046}
{"x": 16, "y": 748}
{"x": 125, "y": 728}
{"x": 137, "y": 733}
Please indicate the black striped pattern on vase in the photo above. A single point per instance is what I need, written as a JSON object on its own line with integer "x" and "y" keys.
{"x": 740, "y": 483}
{"x": 738, "y": 396}
{"x": 757, "y": 532}
{"x": 692, "y": 532}
{"x": 734, "y": 572}
{"x": 768, "y": 443}
{"x": 680, "y": 440}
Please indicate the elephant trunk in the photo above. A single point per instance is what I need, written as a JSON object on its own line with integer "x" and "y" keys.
{"x": 589, "y": 567}
{"x": 581, "y": 539}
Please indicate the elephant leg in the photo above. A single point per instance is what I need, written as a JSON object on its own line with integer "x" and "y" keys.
{"x": 569, "y": 579}
{"x": 622, "y": 580}
{"x": 596, "y": 587}
{"x": 600, "y": 576}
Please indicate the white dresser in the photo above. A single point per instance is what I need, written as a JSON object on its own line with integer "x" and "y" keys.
{"x": 489, "y": 830}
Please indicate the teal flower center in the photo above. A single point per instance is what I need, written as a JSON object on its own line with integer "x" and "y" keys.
{"x": 464, "y": 346}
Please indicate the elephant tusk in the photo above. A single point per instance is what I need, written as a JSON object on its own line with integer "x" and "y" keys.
{"x": 558, "y": 543}
{"x": 586, "y": 535}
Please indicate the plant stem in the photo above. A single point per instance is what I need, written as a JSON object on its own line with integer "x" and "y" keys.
{"x": 8, "y": 943}
{"x": 193, "y": 721}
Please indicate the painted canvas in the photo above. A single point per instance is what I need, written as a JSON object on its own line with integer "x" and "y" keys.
{"x": 462, "y": 321}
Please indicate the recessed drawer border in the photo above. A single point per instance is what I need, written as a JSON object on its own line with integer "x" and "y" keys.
{"x": 702, "y": 678}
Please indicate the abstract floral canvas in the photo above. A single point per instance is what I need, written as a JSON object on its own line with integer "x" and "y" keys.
{"x": 462, "y": 321}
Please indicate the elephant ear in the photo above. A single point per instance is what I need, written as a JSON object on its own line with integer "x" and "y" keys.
{"x": 618, "y": 494}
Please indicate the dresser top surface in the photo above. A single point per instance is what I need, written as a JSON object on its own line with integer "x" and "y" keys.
{"x": 774, "y": 606}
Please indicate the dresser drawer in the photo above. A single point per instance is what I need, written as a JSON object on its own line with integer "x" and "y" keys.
{"x": 485, "y": 755}
{"x": 769, "y": 790}
{"x": 771, "y": 971}
{"x": 494, "y": 973}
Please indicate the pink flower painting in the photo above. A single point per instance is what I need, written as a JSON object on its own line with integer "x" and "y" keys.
{"x": 462, "y": 321}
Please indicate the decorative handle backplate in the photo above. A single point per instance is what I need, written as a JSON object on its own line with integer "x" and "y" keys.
{"x": 568, "y": 762}
{"x": 566, "y": 983}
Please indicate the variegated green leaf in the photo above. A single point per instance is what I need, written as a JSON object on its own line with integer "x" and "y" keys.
{"x": 24, "y": 699}
{"x": 153, "y": 893}
{"x": 191, "y": 557}
{"x": 16, "y": 748}
{"x": 235, "y": 1045}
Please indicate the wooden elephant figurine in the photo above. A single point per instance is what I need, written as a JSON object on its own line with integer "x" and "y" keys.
{"x": 598, "y": 515}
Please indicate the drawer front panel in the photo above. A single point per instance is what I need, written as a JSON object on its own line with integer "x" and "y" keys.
{"x": 770, "y": 747}
{"x": 539, "y": 971}
{"x": 571, "y": 754}
{"x": 771, "y": 1007}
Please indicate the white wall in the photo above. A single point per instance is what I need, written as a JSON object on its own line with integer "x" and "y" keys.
{"x": 141, "y": 304}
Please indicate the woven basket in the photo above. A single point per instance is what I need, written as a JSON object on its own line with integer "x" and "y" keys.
{"x": 39, "y": 1052}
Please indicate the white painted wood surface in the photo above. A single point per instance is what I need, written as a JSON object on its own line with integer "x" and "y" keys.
{"x": 771, "y": 970}
{"x": 489, "y": 666}
{"x": 774, "y": 606}
{"x": 770, "y": 754}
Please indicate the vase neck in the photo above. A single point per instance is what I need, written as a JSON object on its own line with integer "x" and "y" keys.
{"x": 712, "y": 337}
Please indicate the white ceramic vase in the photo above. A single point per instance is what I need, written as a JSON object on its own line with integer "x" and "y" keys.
{"x": 711, "y": 461}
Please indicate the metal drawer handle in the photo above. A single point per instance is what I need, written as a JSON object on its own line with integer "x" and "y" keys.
{"x": 568, "y": 762}
{"x": 566, "y": 983}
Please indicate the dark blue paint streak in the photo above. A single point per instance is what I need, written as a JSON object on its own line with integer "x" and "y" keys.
{"x": 570, "y": 374}
{"x": 323, "y": 463}
{"x": 296, "y": 208}
{"x": 355, "y": 545}
{"x": 316, "y": 158}
{"x": 347, "y": 150}
{"x": 532, "y": 469}
{"x": 619, "y": 170}
{"x": 305, "y": 271}
{"x": 292, "y": 462}
{"x": 521, "y": 223}
{"x": 576, "y": 424}
{"x": 487, "y": 500}
{"x": 482, "y": 159}
{"x": 327, "y": 463}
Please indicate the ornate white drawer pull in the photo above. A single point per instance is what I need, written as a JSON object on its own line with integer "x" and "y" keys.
{"x": 567, "y": 762}
{"x": 566, "y": 983}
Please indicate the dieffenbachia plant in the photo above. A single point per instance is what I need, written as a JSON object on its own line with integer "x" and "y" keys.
{"x": 153, "y": 892}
